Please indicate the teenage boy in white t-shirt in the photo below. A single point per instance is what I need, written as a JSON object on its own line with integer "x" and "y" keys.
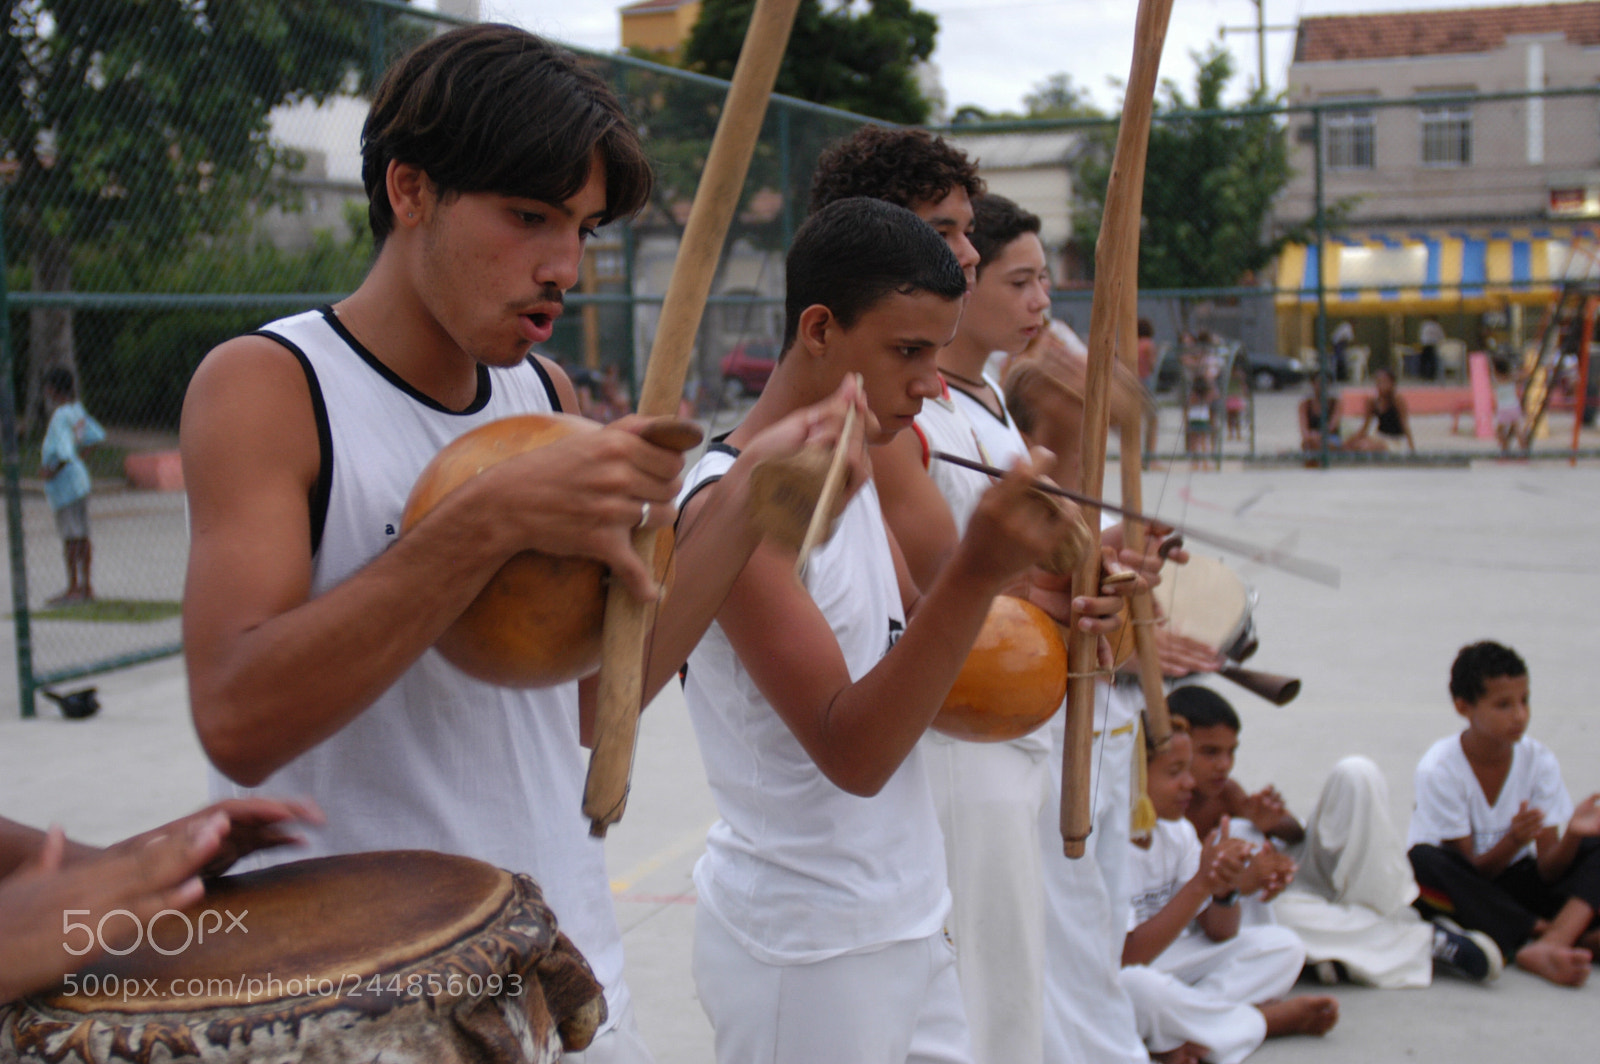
{"x": 822, "y": 894}
{"x": 1486, "y": 842}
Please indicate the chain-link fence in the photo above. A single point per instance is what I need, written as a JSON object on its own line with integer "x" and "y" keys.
{"x": 174, "y": 174}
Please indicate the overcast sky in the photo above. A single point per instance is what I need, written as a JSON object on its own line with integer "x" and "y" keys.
{"x": 992, "y": 52}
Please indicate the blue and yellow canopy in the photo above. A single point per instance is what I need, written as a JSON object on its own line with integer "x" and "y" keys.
{"x": 1422, "y": 271}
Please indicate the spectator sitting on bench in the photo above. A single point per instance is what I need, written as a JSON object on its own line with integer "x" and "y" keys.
{"x": 1388, "y": 408}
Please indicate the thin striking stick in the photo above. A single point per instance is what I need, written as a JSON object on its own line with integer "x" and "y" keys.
{"x": 627, "y": 620}
{"x": 1318, "y": 572}
{"x": 832, "y": 484}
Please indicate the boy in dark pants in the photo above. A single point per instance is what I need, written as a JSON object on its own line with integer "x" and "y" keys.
{"x": 1486, "y": 843}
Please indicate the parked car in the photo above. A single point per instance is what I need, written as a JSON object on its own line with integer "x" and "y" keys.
{"x": 1268, "y": 371}
{"x": 746, "y": 367}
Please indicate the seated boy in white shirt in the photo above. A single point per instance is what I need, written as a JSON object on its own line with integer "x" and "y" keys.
{"x": 1351, "y": 892}
{"x": 1203, "y": 988}
{"x": 1486, "y": 842}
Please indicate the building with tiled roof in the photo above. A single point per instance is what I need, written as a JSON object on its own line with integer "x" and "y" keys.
{"x": 1440, "y": 160}
{"x": 1464, "y": 31}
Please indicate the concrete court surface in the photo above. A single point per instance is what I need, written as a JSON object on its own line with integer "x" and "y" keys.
{"x": 1430, "y": 559}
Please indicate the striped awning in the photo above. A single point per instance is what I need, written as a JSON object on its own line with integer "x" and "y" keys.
{"x": 1414, "y": 271}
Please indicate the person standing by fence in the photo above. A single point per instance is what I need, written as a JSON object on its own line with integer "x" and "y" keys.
{"x": 66, "y": 479}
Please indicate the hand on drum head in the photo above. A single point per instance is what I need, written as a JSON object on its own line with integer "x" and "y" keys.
{"x": 155, "y": 870}
{"x": 1181, "y": 655}
{"x": 252, "y": 824}
{"x": 39, "y": 900}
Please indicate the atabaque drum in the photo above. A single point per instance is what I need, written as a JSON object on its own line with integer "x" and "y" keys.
{"x": 1014, "y": 677}
{"x": 401, "y": 957}
{"x": 1205, "y": 600}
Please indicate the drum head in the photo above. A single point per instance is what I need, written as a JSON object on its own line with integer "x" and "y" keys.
{"x": 324, "y": 921}
{"x": 408, "y": 957}
{"x": 1205, "y": 600}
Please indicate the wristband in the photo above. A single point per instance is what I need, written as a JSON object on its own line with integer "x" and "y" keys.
{"x": 1228, "y": 900}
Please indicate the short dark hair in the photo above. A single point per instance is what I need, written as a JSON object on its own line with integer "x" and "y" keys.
{"x": 58, "y": 380}
{"x": 906, "y": 167}
{"x": 1152, "y": 748}
{"x": 997, "y": 222}
{"x": 1478, "y": 663}
{"x": 492, "y": 108}
{"x": 1202, "y": 707}
{"x": 856, "y": 251}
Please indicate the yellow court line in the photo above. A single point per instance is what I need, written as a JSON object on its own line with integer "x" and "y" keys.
{"x": 685, "y": 844}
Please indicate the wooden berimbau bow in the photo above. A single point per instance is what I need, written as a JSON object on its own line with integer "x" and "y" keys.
{"x": 1111, "y": 326}
{"x": 627, "y": 620}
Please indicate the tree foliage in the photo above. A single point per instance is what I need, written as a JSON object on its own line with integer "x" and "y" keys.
{"x": 1210, "y": 181}
{"x": 136, "y": 126}
{"x": 856, "y": 60}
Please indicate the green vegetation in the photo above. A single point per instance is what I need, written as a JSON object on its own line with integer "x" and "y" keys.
{"x": 120, "y": 611}
{"x": 856, "y": 60}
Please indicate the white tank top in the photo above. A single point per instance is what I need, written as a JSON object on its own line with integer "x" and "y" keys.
{"x": 797, "y": 869}
{"x": 440, "y": 761}
{"x": 942, "y": 426}
{"x": 999, "y": 439}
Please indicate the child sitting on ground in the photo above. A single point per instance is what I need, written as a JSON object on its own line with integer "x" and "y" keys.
{"x": 1486, "y": 840}
{"x": 1203, "y": 988}
{"x": 1350, "y": 899}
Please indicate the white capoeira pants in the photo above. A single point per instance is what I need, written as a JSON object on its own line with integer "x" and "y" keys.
{"x": 1088, "y": 1018}
{"x": 1351, "y": 899}
{"x": 989, "y": 798}
{"x": 897, "y": 1003}
{"x": 1205, "y": 992}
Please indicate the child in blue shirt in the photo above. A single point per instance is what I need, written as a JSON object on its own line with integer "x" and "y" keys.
{"x": 66, "y": 479}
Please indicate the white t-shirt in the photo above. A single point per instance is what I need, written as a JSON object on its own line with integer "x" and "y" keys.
{"x": 798, "y": 870}
{"x": 1450, "y": 803}
{"x": 1155, "y": 875}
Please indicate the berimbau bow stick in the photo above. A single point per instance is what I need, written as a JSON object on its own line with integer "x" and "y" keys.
{"x": 627, "y": 620}
{"x": 1116, "y": 272}
{"x": 1274, "y": 557}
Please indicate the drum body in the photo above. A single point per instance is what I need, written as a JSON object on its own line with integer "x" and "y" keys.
{"x": 1205, "y": 600}
{"x": 405, "y": 957}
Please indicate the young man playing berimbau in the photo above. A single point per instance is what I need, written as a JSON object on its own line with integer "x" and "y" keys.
{"x": 989, "y": 796}
{"x": 489, "y": 157}
{"x": 822, "y": 895}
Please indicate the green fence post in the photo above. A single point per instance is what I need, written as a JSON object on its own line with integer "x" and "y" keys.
{"x": 13, "y": 463}
{"x": 785, "y": 162}
{"x": 1322, "y": 285}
